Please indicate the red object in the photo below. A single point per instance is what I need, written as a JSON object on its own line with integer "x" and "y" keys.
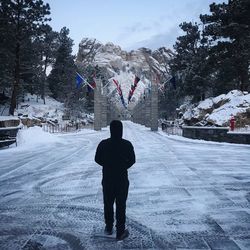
{"x": 232, "y": 123}
{"x": 118, "y": 87}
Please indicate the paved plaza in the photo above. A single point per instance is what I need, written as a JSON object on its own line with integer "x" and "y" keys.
{"x": 184, "y": 194}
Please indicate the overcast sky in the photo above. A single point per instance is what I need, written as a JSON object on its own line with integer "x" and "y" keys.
{"x": 128, "y": 23}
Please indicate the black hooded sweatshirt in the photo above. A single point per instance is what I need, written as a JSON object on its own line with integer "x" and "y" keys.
{"x": 115, "y": 154}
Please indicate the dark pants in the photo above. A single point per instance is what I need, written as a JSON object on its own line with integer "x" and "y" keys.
{"x": 115, "y": 192}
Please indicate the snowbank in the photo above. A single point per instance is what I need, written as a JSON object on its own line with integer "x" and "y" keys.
{"x": 35, "y": 136}
{"x": 201, "y": 141}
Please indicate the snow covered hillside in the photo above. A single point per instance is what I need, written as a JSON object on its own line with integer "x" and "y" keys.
{"x": 218, "y": 110}
{"x": 124, "y": 66}
{"x": 35, "y": 108}
{"x": 32, "y": 111}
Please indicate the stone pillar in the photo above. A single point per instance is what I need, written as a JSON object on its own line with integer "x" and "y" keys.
{"x": 143, "y": 112}
{"x": 97, "y": 105}
{"x": 104, "y": 106}
{"x": 136, "y": 113}
{"x": 138, "y": 109}
{"x": 154, "y": 107}
{"x": 113, "y": 112}
{"x": 109, "y": 109}
{"x": 148, "y": 112}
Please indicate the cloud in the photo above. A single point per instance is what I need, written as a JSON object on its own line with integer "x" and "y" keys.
{"x": 166, "y": 39}
{"x": 133, "y": 33}
{"x": 148, "y": 24}
{"x": 137, "y": 27}
{"x": 161, "y": 30}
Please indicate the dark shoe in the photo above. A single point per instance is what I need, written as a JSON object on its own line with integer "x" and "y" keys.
{"x": 123, "y": 235}
{"x": 108, "y": 230}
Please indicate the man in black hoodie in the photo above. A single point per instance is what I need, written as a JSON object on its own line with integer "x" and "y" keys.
{"x": 115, "y": 155}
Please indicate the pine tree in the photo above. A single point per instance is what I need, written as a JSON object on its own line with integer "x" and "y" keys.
{"x": 6, "y": 50}
{"x": 21, "y": 22}
{"x": 189, "y": 62}
{"x": 47, "y": 43}
{"x": 227, "y": 28}
{"x": 62, "y": 76}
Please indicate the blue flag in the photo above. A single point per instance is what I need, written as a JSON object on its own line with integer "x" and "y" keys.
{"x": 173, "y": 81}
{"x": 79, "y": 80}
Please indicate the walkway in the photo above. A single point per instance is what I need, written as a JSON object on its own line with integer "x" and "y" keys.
{"x": 184, "y": 194}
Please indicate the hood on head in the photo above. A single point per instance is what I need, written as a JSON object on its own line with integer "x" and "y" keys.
{"x": 116, "y": 129}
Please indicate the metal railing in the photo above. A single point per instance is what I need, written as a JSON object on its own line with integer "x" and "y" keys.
{"x": 172, "y": 129}
{"x": 58, "y": 128}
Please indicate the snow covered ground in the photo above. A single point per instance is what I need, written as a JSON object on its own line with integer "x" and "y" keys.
{"x": 218, "y": 110}
{"x": 184, "y": 194}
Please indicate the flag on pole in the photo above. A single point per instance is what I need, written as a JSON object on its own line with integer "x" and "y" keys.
{"x": 119, "y": 90}
{"x": 161, "y": 87}
{"x": 137, "y": 79}
{"x": 79, "y": 80}
{"x": 118, "y": 87}
{"x": 123, "y": 102}
{"x": 173, "y": 81}
{"x": 133, "y": 87}
{"x": 91, "y": 86}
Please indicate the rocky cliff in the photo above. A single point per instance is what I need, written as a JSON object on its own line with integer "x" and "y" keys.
{"x": 123, "y": 66}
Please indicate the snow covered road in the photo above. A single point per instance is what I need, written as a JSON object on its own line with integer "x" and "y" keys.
{"x": 184, "y": 194}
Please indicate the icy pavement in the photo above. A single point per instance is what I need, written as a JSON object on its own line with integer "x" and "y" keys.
{"x": 184, "y": 194}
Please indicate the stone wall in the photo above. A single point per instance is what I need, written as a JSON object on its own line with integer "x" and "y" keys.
{"x": 9, "y": 123}
{"x": 236, "y": 137}
{"x": 219, "y": 134}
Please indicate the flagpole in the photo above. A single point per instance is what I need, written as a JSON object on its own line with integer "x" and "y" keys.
{"x": 85, "y": 81}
